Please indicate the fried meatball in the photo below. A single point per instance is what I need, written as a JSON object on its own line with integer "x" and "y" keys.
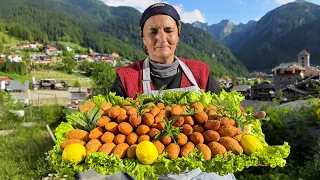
{"x": 201, "y": 117}
{"x": 155, "y": 111}
{"x": 71, "y": 141}
{"x": 178, "y": 122}
{"x": 205, "y": 150}
{"x": 159, "y": 146}
{"x": 187, "y": 149}
{"x": 227, "y": 121}
{"x": 212, "y": 125}
{"x": 103, "y": 121}
{"x": 231, "y": 145}
{"x": 159, "y": 117}
{"x": 161, "y": 126}
{"x": 112, "y": 127}
{"x": 143, "y": 138}
{"x": 160, "y": 105}
{"x": 125, "y": 128}
{"x": 122, "y": 118}
{"x": 147, "y": 119}
{"x": 197, "y": 106}
{"x": 182, "y": 139}
{"x": 198, "y": 128}
{"x": 217, "y": 148}
{"x": 107, "y": 137}
{"x": 211, "y": 135}
{"x": 153, "y": 132}
{"x": 132, "y": 138}
{"x": 189, "y": 120}
{"x": 196, "y": 138}
{"x": 121, "y": 150}
{"x": 131, "y": 153}
{"x": 119, "y": 139}
{"x": 96, "y": 133}
{"x": 132, "y": 111}
{"x": 78, "y": 134}
{"x": 114, "y": 112}
{"x": 176, "y": 110}
{"x": 229, "y": 131}
{"x": 187, "y": 129}
{"x": 93, "y": 145}
{"x": 173, "y": 151}
{"x": 212, "y": 114}
{"x": 134, "y": 120}
{"x": 142, "y": 130}
{"x": 238, "y": 137}
{"x": 165, "y": 139}
{"x": 107, "y": 148}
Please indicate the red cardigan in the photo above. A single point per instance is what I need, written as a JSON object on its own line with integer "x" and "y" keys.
{"x": 131, "y": 76}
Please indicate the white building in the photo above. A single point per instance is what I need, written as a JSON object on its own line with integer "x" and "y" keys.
{"x": 14, "y": 58}
{"x": 304, "y": 58}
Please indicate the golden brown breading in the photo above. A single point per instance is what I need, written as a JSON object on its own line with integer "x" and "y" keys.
{"x": 105, "y": 106}
{"x": 125, "y": 128}
{"x": 142, "y": 130}
{"x": 155, "y": 111}
{"x": 159, "y": 146}
{"x": 173, "y": 151}
{"x": 103, "y": 120}
{"x": 217, "y": 148}
{"x": 96, "y": 133}
{"x": 153, "y": 132}
{"x": 212, "y": 125}
{"x": 201, "y": 117}
{"x": 123, "y": 111}
{"x": 143, "y": 138}
{"x": 229, "y": 131}
{"x": 179, "y": 120}
{"x": 182, "y": 139}
{"x": 197, "y": 106}
{"x": 160, "y": 105}
{"x": 134, "y": 120}
{"x": 168, "y": 108}
{"x": 189, "y": 120}
{"x": 210, "y": 136}
{"x": 107, "y": 148}
{"x": 161, "y": 126}
{"x": 107, "y": 137}
{"x": 187, "y": 149}
{"x": 147, "y": 119}
{"x": 154, "y": 125}
{"x": 176, "y": 110}
{"x": 231, "y": 145}
{"x": 198, "y": 128}
{"x": 212, "y": 114}
{"x": 187, "y": 129}
{"x": 114, "y": 112}
{"x": 160, "y": 116}
{"x": 131, "y": 111}
{"x": 205, "y": 150}
{"x": 82, "y": 109}
{"x": 227, "y": 121}
{"x": 89, "y": 105}
{"x": 119, "y": 139}
{"x": 132, "y": 138}
{"x": 122, "y": 118}
{"x": 78, "y": 134}
{"x": 146, "y": 110}
{"x": 196, "y": 138}
{"x": 93, "y": 145}
{"x": 131, "y": 153}
{"x": 121, "y": 150}
{"x": 112, "y": 127}
{"x": 165, "y": 139}
{"x": 71, "y": 141}
{"x": 238, "y": 137}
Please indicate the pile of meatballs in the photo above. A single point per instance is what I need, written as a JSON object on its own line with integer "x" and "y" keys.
{"x": 121, "y": 128}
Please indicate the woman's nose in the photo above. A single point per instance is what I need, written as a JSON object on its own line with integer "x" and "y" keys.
{"x": 162, "y": 36}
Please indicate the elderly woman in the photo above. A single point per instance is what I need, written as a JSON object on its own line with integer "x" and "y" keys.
{"x": 160, "y": 29}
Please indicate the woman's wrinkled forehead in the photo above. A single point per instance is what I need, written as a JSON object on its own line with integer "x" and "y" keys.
{"x": 160, "y": 20}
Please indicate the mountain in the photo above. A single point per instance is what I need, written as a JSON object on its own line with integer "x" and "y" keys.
{"x": 106, "y": 29}
{"x": 224, "y": 29}
{"x": 279, "y": 36}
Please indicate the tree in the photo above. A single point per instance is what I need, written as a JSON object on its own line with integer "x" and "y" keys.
{"x": 103, "y": 76}
{"x": 77, "y": 84}
{"x": 69, "y": 64}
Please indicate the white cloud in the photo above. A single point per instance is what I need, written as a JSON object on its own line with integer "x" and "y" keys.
{"x": 257, "y": 18}
{"x": 186, "y": 16}
{"x": 283, "y": 1}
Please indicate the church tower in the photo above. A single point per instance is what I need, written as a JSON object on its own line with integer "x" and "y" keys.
{"x": 304, "y": 58}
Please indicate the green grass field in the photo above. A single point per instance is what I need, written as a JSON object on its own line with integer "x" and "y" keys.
{"x": 8, "y": 40}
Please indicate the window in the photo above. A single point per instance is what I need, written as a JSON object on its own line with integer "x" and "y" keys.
{"x": 302, "y": 58}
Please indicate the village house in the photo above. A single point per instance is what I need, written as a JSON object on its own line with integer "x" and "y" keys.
{"x": 41, "y": 59}
{"x": 77, "y": 95}
{"x": 263, "y": 91}
{"x": 51, "y": 50}
{"x": 301, "y": 90}
{"x": 68, "y": 48}
{"x": 14, "y": 58}
{"x": 245, "y": 90}
{"x": 3, "y": 57}
{"x": 4, "y": 82}
{"x": 111, "y": 60}
{"x": 19, "y": 91}
{"x": 25, "y": 44}
{"x": 35, "y": 44}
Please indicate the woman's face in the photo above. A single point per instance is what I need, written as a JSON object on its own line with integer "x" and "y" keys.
{"x": 160, "y": 36}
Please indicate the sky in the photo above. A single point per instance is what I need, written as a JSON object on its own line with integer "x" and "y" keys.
{"x": 212, "y": 11}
